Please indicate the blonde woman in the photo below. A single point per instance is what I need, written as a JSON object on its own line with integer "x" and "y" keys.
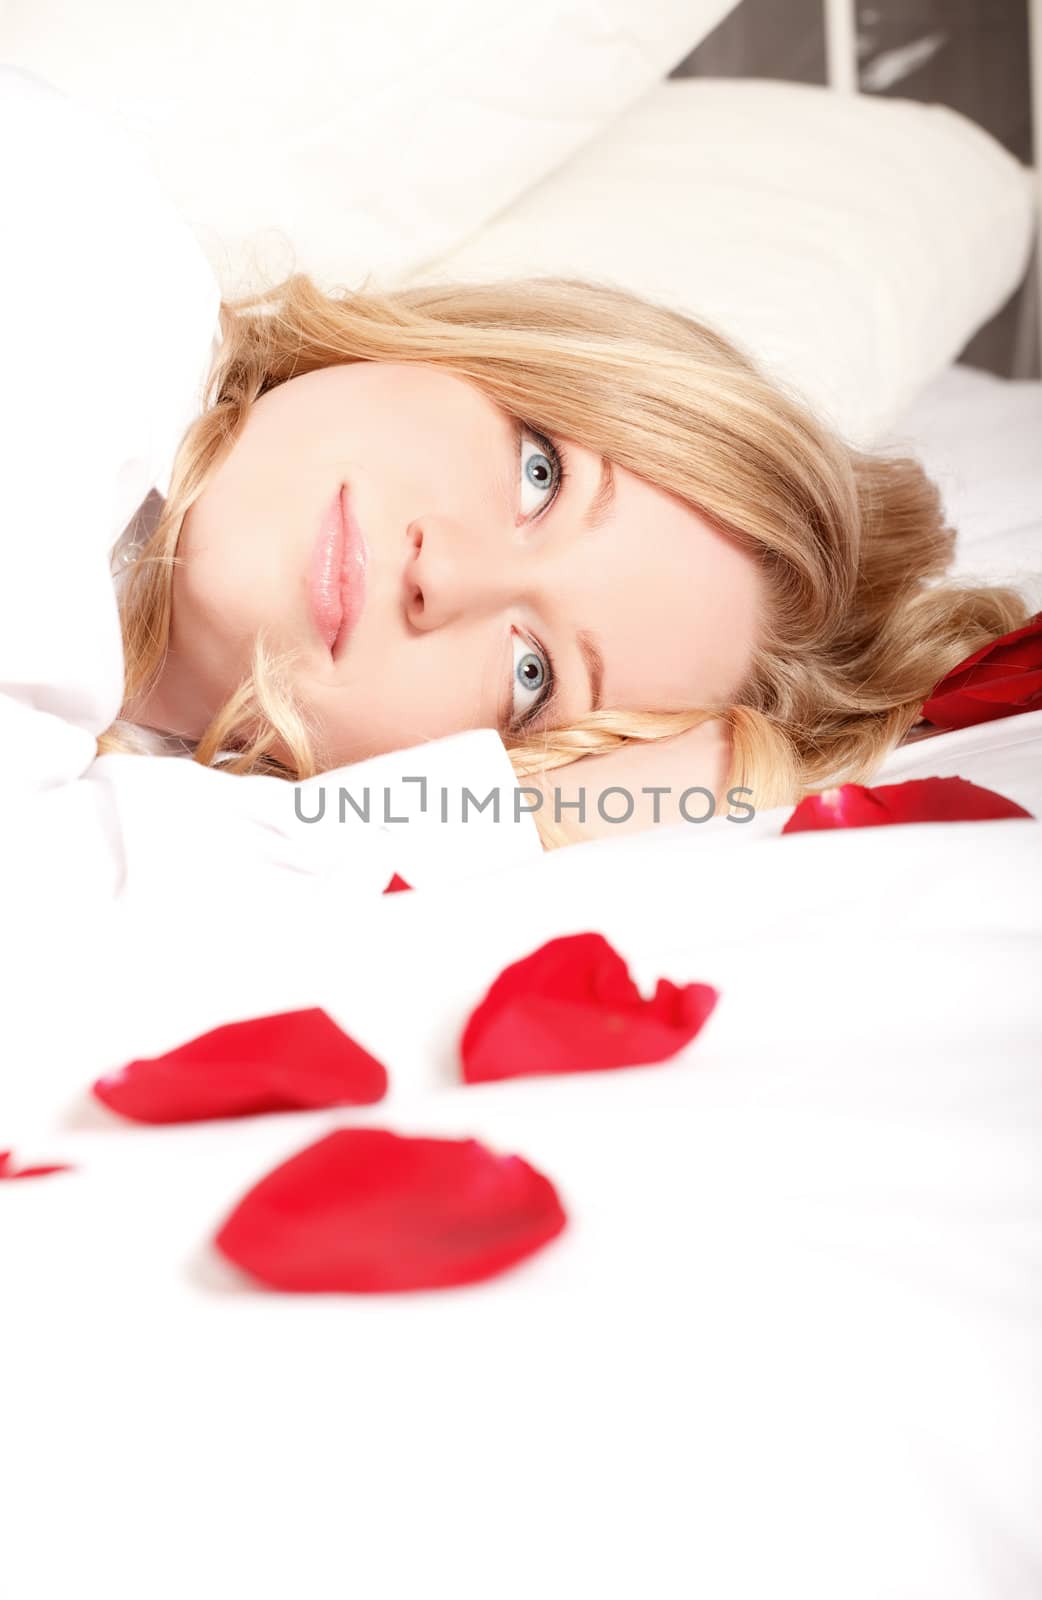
{"x": 582, "y": 519}
{"x": 548, "y": 509}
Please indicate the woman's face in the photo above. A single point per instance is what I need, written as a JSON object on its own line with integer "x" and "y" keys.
{"x": 488, "y": 600}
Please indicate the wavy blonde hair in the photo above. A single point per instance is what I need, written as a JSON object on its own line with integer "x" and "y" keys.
{"x": 858, "y": 629}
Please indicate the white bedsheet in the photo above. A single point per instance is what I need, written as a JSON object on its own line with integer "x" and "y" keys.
{"x": 790, "y": 1344}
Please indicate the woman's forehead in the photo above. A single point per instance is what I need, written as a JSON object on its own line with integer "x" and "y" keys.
{"x": 673, "y": 601}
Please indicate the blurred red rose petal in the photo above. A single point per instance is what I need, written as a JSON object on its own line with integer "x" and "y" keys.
{"x": 1002, "y": 679}
{"x": 367, "y": 1211}
{"x": 8, "y": 1170}
{"x": 572, "y": 1006}
{"x": 396, "y": 885}
{"x": 292, "y": 1061}
{"x": 919, "y": 800}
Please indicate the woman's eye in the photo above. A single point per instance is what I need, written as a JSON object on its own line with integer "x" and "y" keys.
{"x": 540, "y": 471}
{"x": 532, "y": 681}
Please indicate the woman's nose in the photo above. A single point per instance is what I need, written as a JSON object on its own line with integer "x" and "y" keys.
{"x": 447, "y": 578}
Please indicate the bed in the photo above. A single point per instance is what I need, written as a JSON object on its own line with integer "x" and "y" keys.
{"x": 790, "y": 1342}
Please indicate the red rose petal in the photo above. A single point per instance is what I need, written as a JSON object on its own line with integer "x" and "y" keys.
{"x": 7, "y": 1170}
{"x": 1002, "y": 679}
{"x": 919, "y": 800}
{"x": 572, "y": 1006}
{"x": 293, "y": 1061}
{"x": 367, "y": 1211}
{"x": 396, "y": 885}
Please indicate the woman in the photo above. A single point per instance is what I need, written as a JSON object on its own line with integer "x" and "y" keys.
{"x": 578, "y": 517}
{"x": 595, "y": 539}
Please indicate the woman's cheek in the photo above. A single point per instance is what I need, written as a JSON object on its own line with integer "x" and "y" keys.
{"x": 208, "y": 640}
{"x": 392, "y": 703}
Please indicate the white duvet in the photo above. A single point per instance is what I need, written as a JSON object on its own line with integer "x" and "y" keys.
{"x": 791, "y": 1341}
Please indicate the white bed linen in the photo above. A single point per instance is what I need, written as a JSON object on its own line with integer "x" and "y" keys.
{"x": 893, "y": 229}
{"x": 791, "y": 1342}
{"x": 346, "y": 137}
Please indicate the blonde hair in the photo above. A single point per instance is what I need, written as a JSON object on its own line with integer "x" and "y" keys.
{"x": 857, "y": 629}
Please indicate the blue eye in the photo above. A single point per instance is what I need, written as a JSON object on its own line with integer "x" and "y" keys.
{"x": 541, "y": 469}
{"x": 532, "y": 682}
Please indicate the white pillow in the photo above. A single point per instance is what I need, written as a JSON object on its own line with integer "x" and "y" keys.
{"x": 851, "y": 244}
{"x": 372, "y": 135}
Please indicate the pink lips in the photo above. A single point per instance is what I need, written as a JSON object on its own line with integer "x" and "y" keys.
{"x": 336, "y": 576}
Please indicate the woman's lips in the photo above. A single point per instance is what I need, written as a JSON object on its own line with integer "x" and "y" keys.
{"x": 336, "y": 578}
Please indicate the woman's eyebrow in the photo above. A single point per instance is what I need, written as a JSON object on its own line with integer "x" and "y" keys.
{"x": 595, "y": 516}
{"x": 594, "y": 663}
{"x": 603, "y": 499}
